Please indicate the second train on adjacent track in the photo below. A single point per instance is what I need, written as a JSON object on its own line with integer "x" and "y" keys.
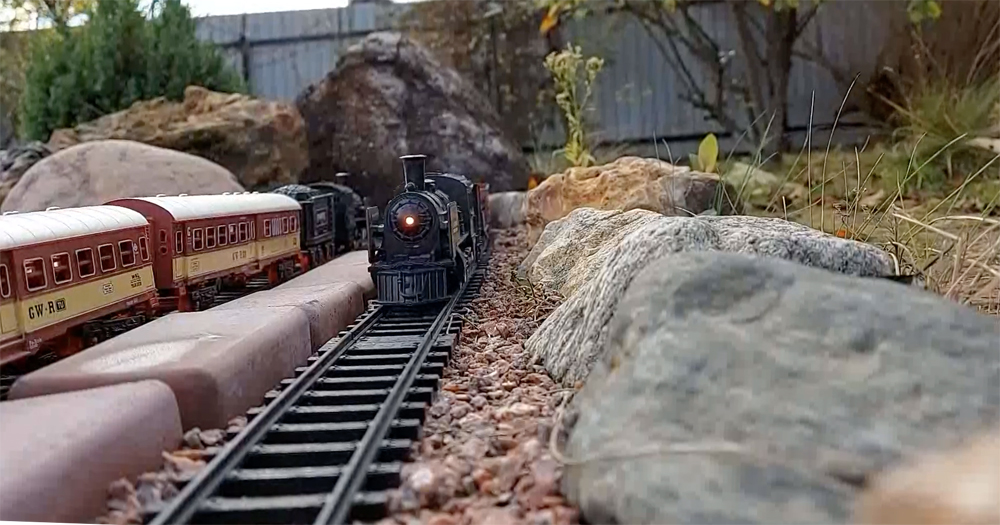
{"x": 70, "y": 278}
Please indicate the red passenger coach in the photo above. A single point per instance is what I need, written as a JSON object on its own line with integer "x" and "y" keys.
{"x": 69, "y": 278}
{"x": 204, "y": 241}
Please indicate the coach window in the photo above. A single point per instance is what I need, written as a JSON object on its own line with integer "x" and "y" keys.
{"x": 107, "y": 254}
{"x": 61, "y": 270}
{"x": 143, "y": 249}
{"x": 253, "y": 230}
{"x": 34, "y": 274}
{"x": 232, "y": 234}
{"x": 4, "y": 281}
{"x": 221, "y": 234}
{"x": 209, "y": 237}
{"x": 267, "y": 228}
{"x": 197, "y": 239}
{"x": 85, "y": 262}
{"x": 179, "y": 242}
{"x": 243, "y": 232}
{"x": 284, "y": 225}
{"x": 127, "y": 252}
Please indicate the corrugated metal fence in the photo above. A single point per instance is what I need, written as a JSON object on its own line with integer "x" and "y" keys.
{"x": 638, "y": 96}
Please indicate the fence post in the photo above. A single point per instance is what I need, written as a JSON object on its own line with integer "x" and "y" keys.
{"x": 245, "y": 52}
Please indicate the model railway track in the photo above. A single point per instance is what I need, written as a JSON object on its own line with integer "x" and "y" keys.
{"x": 331, "y": 442}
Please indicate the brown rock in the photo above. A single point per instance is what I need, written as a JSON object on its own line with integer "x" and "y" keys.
{"x": 260, "y": 141}
{"x": 625, "y": 184}
{"x": 492, "y": 516}
{"x": 97, "y": 172}
{"x": 388, "y": 97}
{"x": 959, "y": 486}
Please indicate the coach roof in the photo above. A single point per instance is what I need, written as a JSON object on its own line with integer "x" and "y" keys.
{"x": 192, "y": 207}
{"x": 25, "y": 229}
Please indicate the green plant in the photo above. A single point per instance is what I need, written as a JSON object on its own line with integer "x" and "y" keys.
{"x": 117, "y": 58}
{"x": 565, "y": 67}
{"x": 708, "y": 155}
{"x": 937, "y": 128}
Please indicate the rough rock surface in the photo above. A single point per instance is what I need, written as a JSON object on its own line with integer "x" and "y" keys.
{"x": 96, "y": 172}
{"x": 960, "y": 485}
{"x": 627, "y": 183}
{"x": 738, "y": 389}
{"x": 507, "y": 209}
{"x": 572, "y": 249}
{"x": 15, "y": 161}
{"x": 387, "y": 97}
{"x": 592, "y": 265}
{"x": 262, "y": 142}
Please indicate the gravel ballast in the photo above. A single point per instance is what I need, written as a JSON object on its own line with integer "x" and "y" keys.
{"x": 485, "y": 454}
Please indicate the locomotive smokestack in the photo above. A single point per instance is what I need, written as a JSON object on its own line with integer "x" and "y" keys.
{"x": 413, "y": 169}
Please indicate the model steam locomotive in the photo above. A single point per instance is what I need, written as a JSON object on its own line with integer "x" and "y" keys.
{"x": 433, "y": 236}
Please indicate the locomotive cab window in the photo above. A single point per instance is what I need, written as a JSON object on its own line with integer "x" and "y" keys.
{"x": 179, "y": 242}
{"x": 197, "y": 238}
{"x": 209, "y": 238}
{"x": 127, "y": 252}
{"x": 143, "y": 249}
{"x": 232, "y": 234}
{"x": 34, "y": 274}
{"x": 243, "y": 232}
{"x": 61, "y": 270}
{"x": 4, "y": 281}
{"x": 107, "y": 254}
{"x": 221, "y": 234}
{"x": 85, "y": 262}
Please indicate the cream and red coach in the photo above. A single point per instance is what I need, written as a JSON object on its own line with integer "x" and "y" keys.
{"x": 203, "y": 241}
{"x": 68, "y": 277}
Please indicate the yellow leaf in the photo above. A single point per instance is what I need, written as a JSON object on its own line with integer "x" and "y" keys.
{"x": 708, "y": 153}
{"x": 532, "y": 182}
{"x": 551, "y": 20}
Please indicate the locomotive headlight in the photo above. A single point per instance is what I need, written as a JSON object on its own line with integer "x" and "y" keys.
{"x": 411, "y": 220}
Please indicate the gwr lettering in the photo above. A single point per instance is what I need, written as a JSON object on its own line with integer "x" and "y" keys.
{"x": 37, "y": 311}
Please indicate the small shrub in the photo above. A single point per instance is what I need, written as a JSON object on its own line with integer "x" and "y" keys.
{"x": 117, "y": 58}
{"x": 565, "y": 67}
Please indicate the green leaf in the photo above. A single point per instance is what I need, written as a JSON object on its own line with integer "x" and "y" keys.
{"x": 708, "y": 153}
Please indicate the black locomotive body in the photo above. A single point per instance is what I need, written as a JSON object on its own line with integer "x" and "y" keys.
{"x": 349, "y": 215}
{"x": 328, "y": 223}
{"x": 430, "y": 240}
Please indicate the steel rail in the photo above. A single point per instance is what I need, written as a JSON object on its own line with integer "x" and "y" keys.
{"x": 337, "y": 507}
{"x": 183, "y": 507}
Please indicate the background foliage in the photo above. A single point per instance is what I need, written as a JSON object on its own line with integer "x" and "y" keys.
{"x": 118, "y": 57}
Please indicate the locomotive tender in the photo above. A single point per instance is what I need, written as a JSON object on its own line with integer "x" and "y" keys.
{"x": 70, "y": 278}
{"x": 433, "y": 235}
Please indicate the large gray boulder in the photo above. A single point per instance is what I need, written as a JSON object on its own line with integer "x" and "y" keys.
{"x": 780, "y": 387}
{"x": 388, "y": 96}
{"x": 591, "y": 256}
{"x": 96, "y": 172}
